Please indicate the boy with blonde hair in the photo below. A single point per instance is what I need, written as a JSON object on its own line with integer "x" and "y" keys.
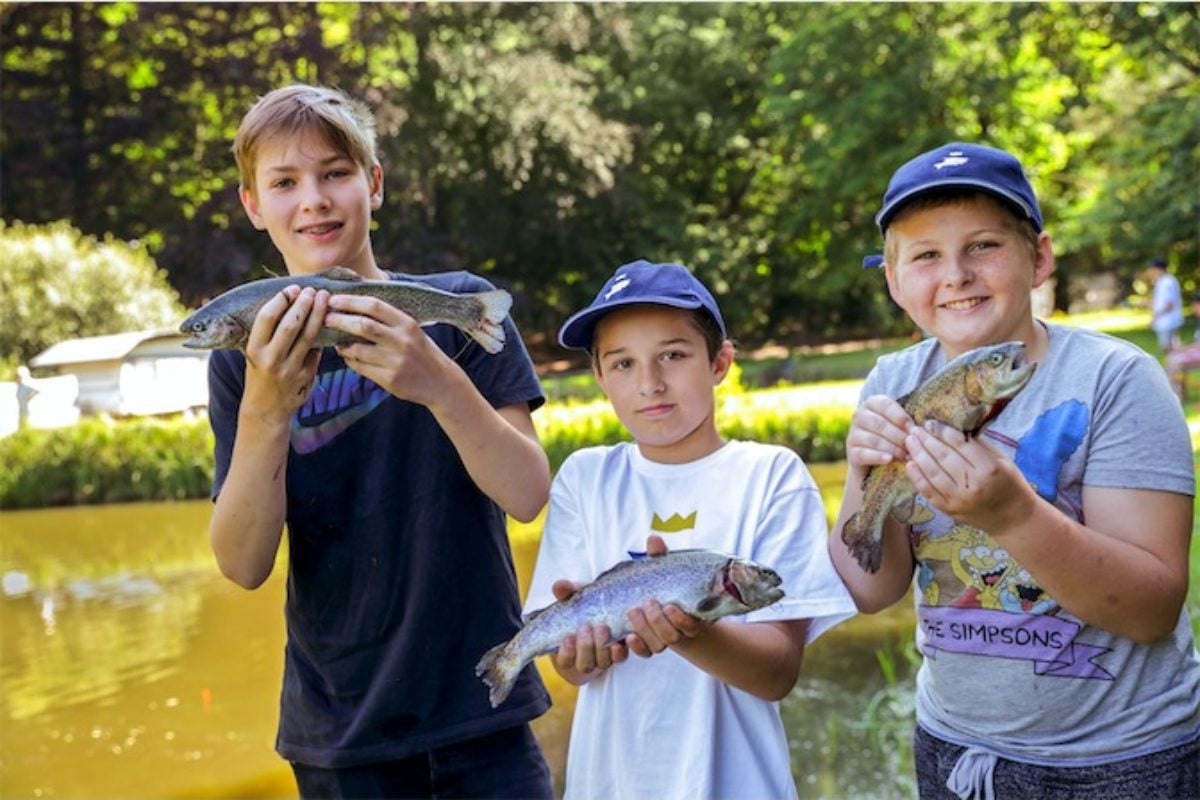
{"x": 1050, "y": 552}
{"x": 392, "y": 461}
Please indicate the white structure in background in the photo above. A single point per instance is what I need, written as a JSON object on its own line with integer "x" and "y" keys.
{"x": 139, "y": 373}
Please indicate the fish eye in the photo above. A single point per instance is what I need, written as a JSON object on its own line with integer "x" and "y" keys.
{"x": 198, "y": 326}
{"x": 997, "y": 359}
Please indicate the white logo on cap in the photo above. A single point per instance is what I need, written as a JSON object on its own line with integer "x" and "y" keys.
{"x": 954, "y": 159}
{"x": 619, "y": 284}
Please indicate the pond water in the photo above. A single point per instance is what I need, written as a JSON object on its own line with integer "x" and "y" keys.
{"x": 131, "y": 668}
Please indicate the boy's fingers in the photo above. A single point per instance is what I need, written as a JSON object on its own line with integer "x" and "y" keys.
{"x": 655, "y": 546}
{"x": 267, "y": 319}
{"x": 563, "y": 589}
{"x": 585, "y": 650}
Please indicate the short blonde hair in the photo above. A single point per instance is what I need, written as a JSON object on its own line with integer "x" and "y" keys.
{"x": 958, "y": 196}
{"x": 346, "y": 124}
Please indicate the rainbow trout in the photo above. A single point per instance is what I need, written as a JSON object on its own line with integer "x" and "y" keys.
{"x": 703, "y": 583}
{"x": 224, "y": 322}
{"x": 965, "y": 394}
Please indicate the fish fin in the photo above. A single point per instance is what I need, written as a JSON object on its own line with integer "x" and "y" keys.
{"x": 496, "y": 670}
{"x": 489, "y": 330}
{"x": 340, "y": 274}
{"x": 904, "y": 509}
{"x": 708, "y": 604}
{"x": 867, "y": 548}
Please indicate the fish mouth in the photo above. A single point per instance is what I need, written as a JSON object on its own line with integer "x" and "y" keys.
{"x": 730, "y": 586}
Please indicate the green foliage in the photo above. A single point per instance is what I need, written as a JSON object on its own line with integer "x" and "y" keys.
{"x": 58, "y": 284}
{"x": 543, "y": 144}
{"x": 105, "y": 461}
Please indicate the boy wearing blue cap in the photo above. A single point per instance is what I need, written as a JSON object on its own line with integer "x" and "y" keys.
{"x": 704, "y": 695}
{"x": 1050, "y": 552}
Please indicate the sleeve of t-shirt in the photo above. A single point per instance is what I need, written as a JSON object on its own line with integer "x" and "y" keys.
{"x": 226, "y": 377}
{"x": 503, "y": 378}
{"x": 792, "y": 538}
{"x": 1140, "y": 438}
{"x": 561, "y": 553}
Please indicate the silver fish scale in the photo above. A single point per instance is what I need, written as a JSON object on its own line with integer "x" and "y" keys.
{"x": 684, "y": 578}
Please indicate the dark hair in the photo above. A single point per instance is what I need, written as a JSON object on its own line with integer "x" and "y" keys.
{"x": 701, "y": 320}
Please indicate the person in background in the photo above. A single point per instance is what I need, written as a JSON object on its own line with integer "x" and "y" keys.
{"x": 1166, "y": 304}
{"x": 697, "y": 716}
{"x": 1048, "y": 555}
{"x": 392, "y": 462}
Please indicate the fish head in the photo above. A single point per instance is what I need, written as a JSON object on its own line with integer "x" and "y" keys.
{"x": 1000, "y": 371}
{"x": 740, "y": 585}
{"x": 989, "y": 378}
{"x": 208, "y": 331}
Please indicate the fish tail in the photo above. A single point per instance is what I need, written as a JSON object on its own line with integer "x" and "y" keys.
{"x": 498, "y": 671}
{"x": 864, "y": 541}
{"x": 489, "y": 329}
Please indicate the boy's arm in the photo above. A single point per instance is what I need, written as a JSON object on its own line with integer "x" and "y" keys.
{"x": 761, "y": 658}
{"x": 248, "y": 516}
{"x": 1126, "y": 570}
{"x": 876, "y": 437}
{"x": 499, "y": 448}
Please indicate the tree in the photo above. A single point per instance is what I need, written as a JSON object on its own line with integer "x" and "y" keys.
{"x": 59, "y": 284}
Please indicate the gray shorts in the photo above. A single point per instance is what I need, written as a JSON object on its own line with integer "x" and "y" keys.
{"x": 1172, "y": 774}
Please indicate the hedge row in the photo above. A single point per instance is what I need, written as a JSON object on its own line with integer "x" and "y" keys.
{"x": 112, "y": 461}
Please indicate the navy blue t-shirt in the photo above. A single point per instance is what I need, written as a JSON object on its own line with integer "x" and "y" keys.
{"x": 400, "y": 574}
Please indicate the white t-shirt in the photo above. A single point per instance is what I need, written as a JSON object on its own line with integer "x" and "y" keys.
{"x": 660, "y": 727}
{"x": 1167, "y": 295}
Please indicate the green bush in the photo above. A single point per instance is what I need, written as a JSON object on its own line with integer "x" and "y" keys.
{"x": 109, "y": 461}
{"x": 58, "y": 284}
{"x": 105, "y": 461}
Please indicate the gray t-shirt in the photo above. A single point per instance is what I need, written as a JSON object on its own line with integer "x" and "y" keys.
{"x": 1006, "y": 669}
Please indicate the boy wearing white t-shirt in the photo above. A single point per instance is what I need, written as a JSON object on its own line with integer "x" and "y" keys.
{"x": 697, "y": 715}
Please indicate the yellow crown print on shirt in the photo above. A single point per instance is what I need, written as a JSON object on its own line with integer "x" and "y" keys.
{"x": 674, "y": 524}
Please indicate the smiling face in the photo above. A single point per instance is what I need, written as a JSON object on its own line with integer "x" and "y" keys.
{"x": 315, "y": 202}
{"x": 652, "y": 363}
{"x": 964, "y": 272}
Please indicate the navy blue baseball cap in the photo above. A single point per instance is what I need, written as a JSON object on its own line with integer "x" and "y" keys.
{"x": 959, "y": 165}
{"x": 639, "y": 282}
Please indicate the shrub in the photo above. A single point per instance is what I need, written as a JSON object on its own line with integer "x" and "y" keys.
{"x": 102, "y": 460}
{"x": 58, "y": 284}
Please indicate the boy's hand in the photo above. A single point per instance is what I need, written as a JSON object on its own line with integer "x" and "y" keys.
{"x": 966, "y": 478}
{"x": 395, "y": 354}
{"x": 656, "y": 627}
{"x": 877, "y": 433}
{"x": 281, "y": 353}
{"x": 589, "y": 649}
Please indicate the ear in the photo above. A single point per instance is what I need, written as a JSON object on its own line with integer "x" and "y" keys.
{"x": 598, "y": 374}
{"x": 250, "y": 203}
{"x": 722, "y": 362}
{"x": 889, "y": 273}
{"x": 1043, "y": 260}
{"x": 375, "y": 182}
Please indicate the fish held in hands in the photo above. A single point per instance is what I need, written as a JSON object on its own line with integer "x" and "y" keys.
{"x": 704, "y": 583}
{"x": 224, "y": 322}
{"x": 966, "y": 394}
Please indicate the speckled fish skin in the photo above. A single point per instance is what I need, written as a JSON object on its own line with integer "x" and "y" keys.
{"x": 224, "y": 322}
{"x": 704, "y": 583}
{"x": 965, "y": 394}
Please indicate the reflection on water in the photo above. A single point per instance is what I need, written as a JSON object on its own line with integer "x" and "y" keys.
{"x": 131, "y": 668}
